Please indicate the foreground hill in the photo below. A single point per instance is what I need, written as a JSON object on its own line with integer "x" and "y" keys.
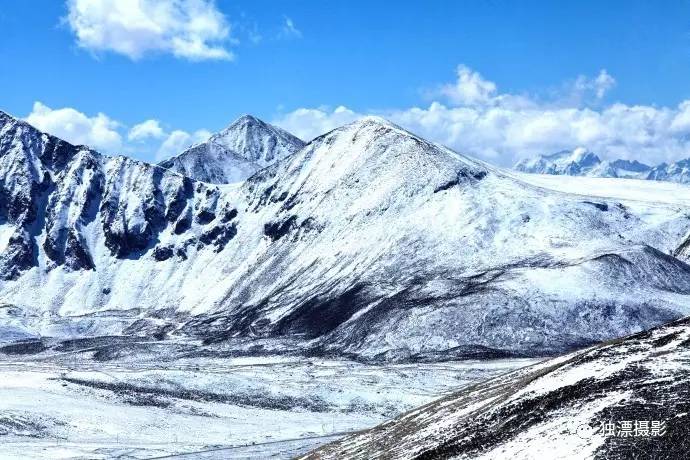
{"x": 582, "y": 405}
{"x": 369, "y": 241}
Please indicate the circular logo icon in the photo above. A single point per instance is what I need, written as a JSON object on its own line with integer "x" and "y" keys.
{"x": 585, "y": 431}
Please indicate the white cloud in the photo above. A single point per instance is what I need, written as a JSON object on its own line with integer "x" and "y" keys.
{"x": 289, "y": 30}
{"x": 598, "y": 86}
{"x": 478, "y": 120}
{"x": 179, "y": 140}
{"x": 309, "y": 123}
{"x": 681, "y": 120}
{"x": 146, "y": 130}
{"x": 146, "y": 140}
{"x": 190, "y": 29}
{"x": 99, "y": 131}
{"x": 469, "y": 89}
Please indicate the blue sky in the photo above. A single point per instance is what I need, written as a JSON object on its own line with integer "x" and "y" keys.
{"x": 296, "y": 62}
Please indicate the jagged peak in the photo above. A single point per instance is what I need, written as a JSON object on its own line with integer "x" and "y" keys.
{"x": 6, "y": 118}
{"x": 248, "y": 118}
{"x": 245, "y": 120}
{"x": 247, "y": 123}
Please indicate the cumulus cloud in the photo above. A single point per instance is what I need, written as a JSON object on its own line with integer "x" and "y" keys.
{"x": 179, "y": 140}
{"x": 470, "y": 88}
{"x": 147, "y": 140}
{"x": 98, "y": 131}
{"x": 309, "y": 123}
{"x": 146, "y": 130}
{"x": 289, "y": 30}
{"x": 189, "y": 29}
{"x": 587, "y": 90}
{"x": 474, "y": 118}
{"x": 602, "y": 83}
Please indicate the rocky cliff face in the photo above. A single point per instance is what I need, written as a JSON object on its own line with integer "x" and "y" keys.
{"x": 367, "y": 241}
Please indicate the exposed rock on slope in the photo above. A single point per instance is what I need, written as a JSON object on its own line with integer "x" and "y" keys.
{"x": 235, "y": 153}
{"x": 574, "y": 406}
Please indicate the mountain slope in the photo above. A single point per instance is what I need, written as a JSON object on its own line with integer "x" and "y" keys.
{"x": 71, "y": 218}
{"x": 371, "y": 257}
{"x": 569, "y": 407}
{"x": 235, "y": 153}
{"x": 369, "y": 241}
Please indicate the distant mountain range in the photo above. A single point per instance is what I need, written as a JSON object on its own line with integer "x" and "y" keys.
{"x": 368, "y": 241}
{"x": 581, "y": 162}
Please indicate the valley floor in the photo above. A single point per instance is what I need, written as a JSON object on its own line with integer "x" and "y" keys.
{"x": 52, "y": 406}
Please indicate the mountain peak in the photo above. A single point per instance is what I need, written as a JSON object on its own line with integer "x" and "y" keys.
{"x": 246, "y": 120}
{"x": 371, "y": 123}
{"x": 371, "y": 120}
{"x": 235, "y": 153}
{"x": 247, "y": 126}
{"x": 6, "y": 118}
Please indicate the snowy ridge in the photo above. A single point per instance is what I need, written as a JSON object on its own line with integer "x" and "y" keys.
{"x": 234, "y": 154}
{"x": 368, "y": 241}
{"x": 554, "y": 409}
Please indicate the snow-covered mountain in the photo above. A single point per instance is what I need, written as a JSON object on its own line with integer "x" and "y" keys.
{"x": 578, "y": 162}
{"x": 237, "y": 152}
{"x": 368, "y": 241}
{"x": 623, "y": 399}
{"x": 678, "y": 171}
{"x": 581, "y": 162}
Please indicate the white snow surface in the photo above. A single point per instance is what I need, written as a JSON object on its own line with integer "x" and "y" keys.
{"x": 66, "y": 405}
